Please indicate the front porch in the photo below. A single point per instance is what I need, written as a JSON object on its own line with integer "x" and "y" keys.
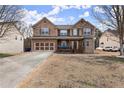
{"x": 70, "y": 46}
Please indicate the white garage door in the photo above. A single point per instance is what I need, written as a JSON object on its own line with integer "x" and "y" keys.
{"x": 44, "y": 46}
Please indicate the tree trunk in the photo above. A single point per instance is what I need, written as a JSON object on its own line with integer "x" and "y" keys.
{"x": 121, "y": 47}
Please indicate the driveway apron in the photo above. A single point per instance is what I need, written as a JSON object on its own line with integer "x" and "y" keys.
{"x": 13, "y": 69}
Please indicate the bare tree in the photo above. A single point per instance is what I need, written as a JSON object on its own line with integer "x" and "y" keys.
{"x": 9, "y": 15}
{"x": 25, "y": 29}
{"x": 98, "y": 34}
{"x": 112, "y": 16}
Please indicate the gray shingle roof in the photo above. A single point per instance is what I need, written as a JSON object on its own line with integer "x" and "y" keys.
{"x": 114, "y": 32}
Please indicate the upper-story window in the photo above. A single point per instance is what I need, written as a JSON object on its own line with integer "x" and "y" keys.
{"x": 44, "y": 31}
{"x": 87, "y": 31}
{"x": 63, "y": 32}
{"x": 75, "y": 32}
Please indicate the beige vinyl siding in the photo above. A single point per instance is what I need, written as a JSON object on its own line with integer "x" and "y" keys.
{"x": 11, "y": 42}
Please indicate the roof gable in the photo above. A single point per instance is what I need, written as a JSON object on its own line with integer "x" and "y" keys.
{"x": 2, "y": 33}
{"x": 43, "y": 19}
{"x": 84, "y": 22}
{"x": 113, "y": 32}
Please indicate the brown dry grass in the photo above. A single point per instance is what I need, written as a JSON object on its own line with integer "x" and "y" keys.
{"x": 77, "y": 70}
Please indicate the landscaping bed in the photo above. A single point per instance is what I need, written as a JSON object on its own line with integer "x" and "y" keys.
{"x": 2, "y": 55}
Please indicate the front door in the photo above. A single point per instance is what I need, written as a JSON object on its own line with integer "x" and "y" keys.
{"x": 63, "y": 43}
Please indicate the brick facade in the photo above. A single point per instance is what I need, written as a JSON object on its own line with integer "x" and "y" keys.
{"x": 73, "y": 43}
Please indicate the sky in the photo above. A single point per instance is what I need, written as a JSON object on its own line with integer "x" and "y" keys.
{"x": 64, "y": 14}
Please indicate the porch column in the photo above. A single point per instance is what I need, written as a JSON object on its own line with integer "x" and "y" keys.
{"x": 72, "y": 44}
{"x": 77, "y": 44}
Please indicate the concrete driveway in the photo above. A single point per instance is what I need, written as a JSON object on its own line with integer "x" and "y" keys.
{"x": 13, "y": 69}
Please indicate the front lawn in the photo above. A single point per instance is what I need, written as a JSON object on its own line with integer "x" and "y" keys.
{"x": 77, "y": 70}
{"x": 2, "y": 55}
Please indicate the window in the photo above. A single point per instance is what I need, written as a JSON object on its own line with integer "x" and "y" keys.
{"x": 87, "y": 31}
{"x": 51, "y": 44}
{"x": 37, "y": 48}
{"x": 46, "y": 44}
{"x": 63, "y": 32}
{"x": 44, "y": 31}
{"x": 37, "y": 44}
{"x": 75, "y": 32}
{"x": 41, "y": 44}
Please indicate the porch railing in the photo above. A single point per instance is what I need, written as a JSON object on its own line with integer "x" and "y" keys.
{"x": 64, "y": 47}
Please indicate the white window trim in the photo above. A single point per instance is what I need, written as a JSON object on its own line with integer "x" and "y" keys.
{"x": 87, "y": 31}
{"x": 75, "y": 32}
{"x": 63, "y": 32}
{"x": 44, "y": 31}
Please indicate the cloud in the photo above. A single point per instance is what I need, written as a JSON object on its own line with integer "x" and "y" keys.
{"x": 75, "y": 6}
{"x": 56, "y": 19}
{"x": 86, "y": 6}
{"x": 86, "y": 14}
{"x": 98, "y": 9}
{"x": 71, "y": 18}
{"x": 54, "y": 11}
{"x": 101, "y": 26}
{"x": 32, "y": 16}
{"x": 65, "y": 7}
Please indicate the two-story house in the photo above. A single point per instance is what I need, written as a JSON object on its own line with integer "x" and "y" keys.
{"x": 77, "y": 38}
{"x": 110, "y": 38}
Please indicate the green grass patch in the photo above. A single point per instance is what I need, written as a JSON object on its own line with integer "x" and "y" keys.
{"x": 2, "y": 55}
{"x": 111, "y": 59}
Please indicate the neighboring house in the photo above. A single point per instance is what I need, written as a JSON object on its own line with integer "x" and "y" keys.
{"x": 11, "y": 40}
{"x": 109, "y": 38}
{"x": 77, "y": 38}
